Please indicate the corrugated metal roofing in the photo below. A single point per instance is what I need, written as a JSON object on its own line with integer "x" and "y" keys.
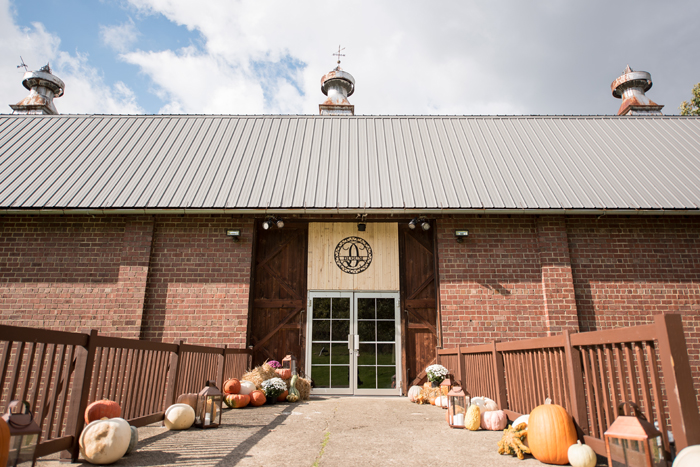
{"x": 311, "y": 162}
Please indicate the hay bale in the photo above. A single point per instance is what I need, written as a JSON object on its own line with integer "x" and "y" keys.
{"x": 304, "y": 387}
{"x": 260, "y": 374}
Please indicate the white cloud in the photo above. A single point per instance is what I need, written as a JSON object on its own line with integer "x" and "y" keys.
{"x": 120, "y": 37}
{"x": 86, "y": 90}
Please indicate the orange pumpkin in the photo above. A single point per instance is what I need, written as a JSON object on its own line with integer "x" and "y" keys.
{"x": 4, "y": 441}
{"x": 284, "y": 373}
{"x": 237, "y": 401}
{"x": 257, "y": 398}
{"x": 232, "y": 386}
{"x": 550, "y": 433}
{"x": 283, "y": 397}
{"x": 100, "y": 409}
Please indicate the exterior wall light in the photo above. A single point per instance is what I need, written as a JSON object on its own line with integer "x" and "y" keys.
{"x": 460, "y": 235}
{"x": 273, "y": 222}
{"x": 234, "y": 233}
{"x": 361, "y": 227}
{"x": 422, "y": 221}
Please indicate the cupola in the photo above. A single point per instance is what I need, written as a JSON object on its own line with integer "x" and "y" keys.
{"x": 43, "y": 87}
{"x": 338, "y": 85}
{"x": 631, "y": 87}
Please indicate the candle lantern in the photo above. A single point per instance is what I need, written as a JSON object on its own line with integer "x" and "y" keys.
{"x": 457, "y": 404}
{"x": 24, "y": 434}
{"x": 208, "y": 413}
{"x": 633, "y": 441}
{"x": 290, "y": 363}
{"x": 446, "y": 386}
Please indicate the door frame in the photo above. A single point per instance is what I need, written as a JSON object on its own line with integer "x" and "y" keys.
{"x": 353, "y": 296}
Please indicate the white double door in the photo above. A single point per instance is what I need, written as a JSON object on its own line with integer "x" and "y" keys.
{"x": 354, "y": 343}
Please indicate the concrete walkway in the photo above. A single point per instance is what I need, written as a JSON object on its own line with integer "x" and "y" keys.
{"x": 328, "y": 431}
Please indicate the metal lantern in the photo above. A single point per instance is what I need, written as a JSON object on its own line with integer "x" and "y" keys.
{"x": 290, "y": 363}
{"x": 457, "y": 404}
{"x": 208, "y": 413}
{"x": 24, "y": 434}
{"x": 446, "y": 386}
{"x": 633, "y": 441}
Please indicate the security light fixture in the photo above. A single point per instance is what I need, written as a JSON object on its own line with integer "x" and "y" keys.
{"x": 273, "y": 222}
{"x": 361, "y": 227}
{"x": 422, "y": 221}
{"x": 460, "y": 235}
{"x": 234, "y": 233}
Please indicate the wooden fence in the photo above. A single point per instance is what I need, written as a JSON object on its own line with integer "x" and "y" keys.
{"x": 60, "y": 373}
{"x": 589, "y": 374}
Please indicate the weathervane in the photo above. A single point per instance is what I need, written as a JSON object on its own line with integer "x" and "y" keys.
{"x": 23, "y": 65}
{"x": 339, "y": 54}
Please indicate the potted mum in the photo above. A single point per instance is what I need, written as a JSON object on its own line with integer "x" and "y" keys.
{"x": 436, "y": 373}
{"x": 272, "y": 388}
{"x": 274, "y": 364}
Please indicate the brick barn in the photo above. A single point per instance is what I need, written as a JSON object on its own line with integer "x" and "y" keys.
{"x": 359, "y": 244}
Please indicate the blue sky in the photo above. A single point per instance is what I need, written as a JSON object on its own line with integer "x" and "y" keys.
{"x": 408, "y": 57}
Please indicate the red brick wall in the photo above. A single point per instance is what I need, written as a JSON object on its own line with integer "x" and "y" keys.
{"x": 626, "y": 270}
{"x": 74, "y": 273}
{"x": 199, "y": 281}
{"x": 491, "y": 284}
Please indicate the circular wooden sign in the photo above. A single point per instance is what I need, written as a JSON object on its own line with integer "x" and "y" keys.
{"x": 353, "y": 255}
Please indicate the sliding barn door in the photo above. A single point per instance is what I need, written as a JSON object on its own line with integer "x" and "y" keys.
{"x": 418, "y": 299}
{"x": 279, "y": 294}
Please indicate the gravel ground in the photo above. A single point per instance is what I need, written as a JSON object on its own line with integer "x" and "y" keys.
{"x": 325, "y": 431}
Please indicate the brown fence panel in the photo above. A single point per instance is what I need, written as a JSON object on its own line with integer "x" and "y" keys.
{"x": 236, "y": 363}
{"x": 39, "y": 366}
{"x": 198, "y": 365}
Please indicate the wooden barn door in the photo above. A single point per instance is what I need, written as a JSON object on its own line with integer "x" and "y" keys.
{"x": 418, "y": 300}
{"x": 279, "y": 294}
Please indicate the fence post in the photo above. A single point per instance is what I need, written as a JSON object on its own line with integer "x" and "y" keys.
{"x": 682, "y": 402}
{"x": 461, "y": 367}
{"x": 499, "y": 376}
{"x": 575, "y": 377}
{"x": 75, "y": 422}
{"x": 173, "y": 374}
{"x": 221, "y": 368}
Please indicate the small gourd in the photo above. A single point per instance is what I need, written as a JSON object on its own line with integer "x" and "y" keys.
{"x": 257, "y": 398}
{"x": 105, "y": 441}
{"x": 581, "y": 455}
{"x": 441, "y": 401}
{"x": 284, "y": 373}
{"x": 413, "y": 393}
{"x": 232, "y": 386}
{"x": 494, "y": 420}
{"x": 688, "y": 457}
{"x": 247, "y": 387}
{"x": 473, "y": 418}
{"x": 484, "y": 403}
{"x": 178, "y": 417}
{"x": 100, "y": 409}
{"x": 294, "y": 394}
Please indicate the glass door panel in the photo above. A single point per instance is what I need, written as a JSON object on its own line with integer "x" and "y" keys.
{"x": 330, "y": 356}
{"x": 377, "y": 329}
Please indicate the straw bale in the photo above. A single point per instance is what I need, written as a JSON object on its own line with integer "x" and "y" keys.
{"x": 260, "y": 374}
{"x": 304, "y": 387}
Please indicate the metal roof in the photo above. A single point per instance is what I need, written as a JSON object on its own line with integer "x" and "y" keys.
{"x": 101, "y": 162}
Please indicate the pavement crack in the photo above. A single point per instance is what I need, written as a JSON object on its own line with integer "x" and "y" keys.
{"x": 326, "y": 438}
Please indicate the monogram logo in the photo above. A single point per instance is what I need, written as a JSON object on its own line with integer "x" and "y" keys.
{"x": 353, "y": 255}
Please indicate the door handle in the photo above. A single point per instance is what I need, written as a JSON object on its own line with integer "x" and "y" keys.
{"x": 357, "y": 342}
{"x": 351, "y": 346}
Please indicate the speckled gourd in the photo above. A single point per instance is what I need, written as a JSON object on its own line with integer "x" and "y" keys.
{"x": 473, "y": 419}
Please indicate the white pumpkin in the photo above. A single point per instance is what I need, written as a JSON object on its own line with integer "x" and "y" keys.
{"x": 581, "y": 455}
{"x": 413, "y": 393}
{"x": 179, "y": 417}
{"x": 688, "y": 457}
{"x": 134, "y": 440}
{"x": 105, "y": 441}
{"x": 247, "y": 387}
{"x": 484, "y": 403}
{"x": 441, "y": 401}
{"x": 521, "y": 419}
